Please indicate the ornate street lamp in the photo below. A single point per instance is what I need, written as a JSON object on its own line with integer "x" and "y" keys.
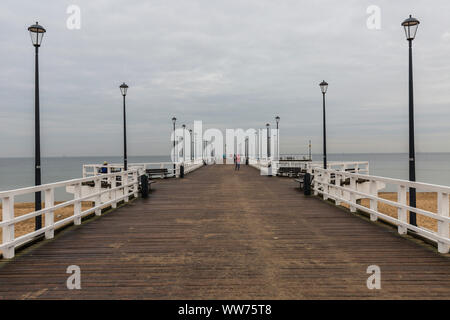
{"x": 323, "y": 87}
{"x": 123, "y": 90}
{"x": 36, "y": 34}
{"x": 410, "y": 25}
{"x": 184, "y": 143}
{"x": 174, "y": 121}
{"x": 277, "y": 119}
{"x": 191, "y": 144}
{"x": 268, "y": 140}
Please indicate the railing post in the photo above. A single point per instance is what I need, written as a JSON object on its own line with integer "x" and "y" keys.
{"x": 443, "y": 226}
{"x": 401, "y": 212}
{"x": 97, "y": 189}
{"x": 373, "y": 202}
{"x": 8, "y": 230}
{"x": 125, "y": 187}
{"x": 337, "y": 183}
{"x": 326, "y": 179}
{"x": 110, "y": 186}
{"x": 109, "y": 180}
{"x": 114, "y": 192}
{"x": 84, "y": 171}
{"x": 77, "y": 204}
{"x": 315, "y": 182}
{"x": 136, "y": 183}
{"x": 50, "y": 215}
{"x": 352, "y": 194}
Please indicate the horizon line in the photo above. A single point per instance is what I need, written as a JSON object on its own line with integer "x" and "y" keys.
{"x": 332, "y": 153}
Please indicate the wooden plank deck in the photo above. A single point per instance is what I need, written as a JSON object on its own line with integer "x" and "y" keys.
{"x": 220, "y": 234}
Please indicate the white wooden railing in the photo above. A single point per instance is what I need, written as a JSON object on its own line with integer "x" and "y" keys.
{"x": 323, "y": 185}
{"x": 352, "y": 166}
{"x": 90, "y": 170}
{"x": 190, "y": 166}
{"x": 129, "y": 183}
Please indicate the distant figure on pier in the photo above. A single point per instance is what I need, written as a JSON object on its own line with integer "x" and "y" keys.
{"x": 234, "y": 158}
{"x": 224, "y": 158}
{"x": 104, "y": 169}
{"x": 238, "y": 162}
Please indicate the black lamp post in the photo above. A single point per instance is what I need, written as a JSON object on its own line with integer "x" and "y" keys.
{"x": 268, "y": 140}
{"x": 184, "y": 143}
{"x": 174, "y": 121}
{"x": 191, "y": 144}
{"x": 123, "y": 90}
{"x": 323, "y": 87}
{"x": 411, "y": 24}
{"x": 36, "y": 34}
{"x": 259, "y": 143}
{"x": 277, "y": 119}
{"x": 309, "y": 149}
{"x": 245, "y": 150}
{"x": 195, "y": 146}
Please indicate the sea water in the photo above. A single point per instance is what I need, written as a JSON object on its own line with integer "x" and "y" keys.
{"x": 19, "y": 172}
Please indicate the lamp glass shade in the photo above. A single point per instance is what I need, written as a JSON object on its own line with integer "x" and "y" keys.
{"x": 410, "y": 25}
{"x": 123, "y": 89}
{"x": 323, "y": 86}
{"x": 36, "y": 34}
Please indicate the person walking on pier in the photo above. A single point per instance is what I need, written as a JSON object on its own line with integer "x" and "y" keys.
{"x": 238, "y": 162}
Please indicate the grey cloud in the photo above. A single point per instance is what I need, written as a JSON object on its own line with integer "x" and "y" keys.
{"x": 228, "y": 63}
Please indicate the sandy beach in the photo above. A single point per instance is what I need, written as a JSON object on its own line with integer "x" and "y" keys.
{"x": 425, "y": 200}
{"x": 27, "y": 226}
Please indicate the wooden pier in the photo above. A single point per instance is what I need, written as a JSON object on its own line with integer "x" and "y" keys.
{"x": 221, "y": 234}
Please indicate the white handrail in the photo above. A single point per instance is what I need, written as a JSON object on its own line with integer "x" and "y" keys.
{"x": 356, "y": 166}
{"x": 90, "y": 170}
{"x": 191, "y": 166}
{"x": 322, "y": 184}
{"x": 129, "y": 185}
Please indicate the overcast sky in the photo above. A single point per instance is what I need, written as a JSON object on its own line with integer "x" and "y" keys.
{"x": 229, "y": 63}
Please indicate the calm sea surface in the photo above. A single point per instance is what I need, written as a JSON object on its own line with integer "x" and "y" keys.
{"x": 19, "y": 172}
{"x": 430, "y": 167}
